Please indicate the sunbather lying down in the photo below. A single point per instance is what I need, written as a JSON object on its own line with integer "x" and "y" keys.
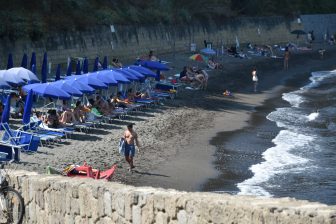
{"x": 214, "y": 65}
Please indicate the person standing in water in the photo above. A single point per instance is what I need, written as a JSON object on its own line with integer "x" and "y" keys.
{"x": 286, "y": 58}
{"x": 255, "y": 78}
{"x": 131, "y": 139}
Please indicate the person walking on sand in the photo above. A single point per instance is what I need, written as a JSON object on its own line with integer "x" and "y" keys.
{"x": 286, "y": 58}
{"x": 131, "y": 138}
{"x": 255, "y": 78}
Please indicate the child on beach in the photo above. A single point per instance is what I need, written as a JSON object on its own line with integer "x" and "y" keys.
{"x": 255, "y": 78}
{"x": 286, "y": 58}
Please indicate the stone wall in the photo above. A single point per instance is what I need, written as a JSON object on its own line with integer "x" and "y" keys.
{"x": 132, "y": 41}
{"x": 56, "y": 199}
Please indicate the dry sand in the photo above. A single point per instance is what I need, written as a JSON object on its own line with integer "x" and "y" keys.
{"x": 175, "y": 149}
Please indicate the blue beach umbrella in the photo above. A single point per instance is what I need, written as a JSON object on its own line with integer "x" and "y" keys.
{"x": 127, "y": 74}
{"x": 118, "y": 76}
{"x": 47, "y": 90}
{"x": 62, "y": 84}
{"x": 208, "y": 51}
{"x": 44, "y": 68}
{"x": 80, "y": 86}
{"x": 105, "y": 78}
{"x": 78, "y": 68}
{"x": 105, "y": 63}
{"x": 6, "y": 111}
{"x": 33, "y": 61}
{"x": 95, "y": 65}
{"x": 24, "y": 62}
{"x": 85, "y": 66}
{"x": 155, "y": 65}
{"x": 58, "y": 73}
{"x": 136, "y": 73}
{"x": 33, "y": 69}
{"x": 92, "y": 81}
{"x": 69, "y": 69}
{"x": 28, "y": 107}
{"x": 10, "y": 61}
{"x": 145, "y": 71}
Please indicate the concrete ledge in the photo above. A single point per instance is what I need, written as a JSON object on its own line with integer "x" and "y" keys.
{"x": 57, "y": 199}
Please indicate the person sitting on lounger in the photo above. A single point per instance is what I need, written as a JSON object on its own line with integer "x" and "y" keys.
{"x": 79, "y": 112}
{"x": 67, "y": 115}
{"x": 119, "y": 101}
{"x": 214, "y": 65}
{"x": 102, "y": 106}
{"x": 52, "y": 119}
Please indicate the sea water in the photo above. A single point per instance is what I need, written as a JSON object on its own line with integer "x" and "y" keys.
{"x": 302, "y": 161}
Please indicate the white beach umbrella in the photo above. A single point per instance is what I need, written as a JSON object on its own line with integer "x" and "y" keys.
{"x": 22, "y": 73}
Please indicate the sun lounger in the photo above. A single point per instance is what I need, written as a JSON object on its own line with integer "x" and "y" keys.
{"x": 9, "y": 153}
{"x": 45, "y": 136}
{"x": 19, "y": 139}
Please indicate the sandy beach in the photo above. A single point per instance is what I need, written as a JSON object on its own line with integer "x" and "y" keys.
{"x": 175, "y": 137}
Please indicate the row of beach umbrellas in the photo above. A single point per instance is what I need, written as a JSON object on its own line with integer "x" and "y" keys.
{"x": 77, "y": 85}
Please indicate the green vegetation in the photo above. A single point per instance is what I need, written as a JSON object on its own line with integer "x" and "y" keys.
{"x": 33, "y": 18}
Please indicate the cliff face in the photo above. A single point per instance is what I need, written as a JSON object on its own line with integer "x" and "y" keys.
{"x": 131, "y": 41}
{"x": 56, "y": 199}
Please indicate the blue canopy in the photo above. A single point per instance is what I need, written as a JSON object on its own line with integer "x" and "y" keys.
{"x": 78, "y": 68}
{"x": 62, "y": 84}
{"x": 44, "y": 68}
{"x": 80, "y": 86}
{"x": 105, "y": 63}
{"x": 208, "y": 51}
{"x": 11, "y": 79}
{"x": 10, "y": 61}
{"x": 136, "y": 73}
{"x": 105, "y": 77}
{"x": 145, "y": 71}
{"x": 95, "y": 65}
{"x": 58, "y": 72}
{"x": 118, "y": 76}
{"x": 69, "y": 69}
{"x": 92, "y": 81}
{"x": 155, "y": 65}
{"x": 85, "y": 66}
{"x": 33, "y": 62}
{"x": 6, "y": 111}
{"x": 127, "y": 74}
{"x": 24, "y": 62}
{"x": 28, "y": 107}
{"x": 47, "y": 90}
{"x": 33, "y": 69}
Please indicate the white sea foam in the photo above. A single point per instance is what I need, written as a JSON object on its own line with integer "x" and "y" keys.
{"x": 317, "y": 77}
{"x": 278, "y": 159}
{"x": 287, "y": 117}
{"x": 313, "y": 116}
{"x": 293, "y": 98}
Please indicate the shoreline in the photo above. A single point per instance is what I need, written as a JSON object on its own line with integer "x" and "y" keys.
{"x": 239, "y": 119}
{"x": 189, "y": 122}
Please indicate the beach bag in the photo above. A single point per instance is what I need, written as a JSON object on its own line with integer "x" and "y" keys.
{"x": 122, "y": 146}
